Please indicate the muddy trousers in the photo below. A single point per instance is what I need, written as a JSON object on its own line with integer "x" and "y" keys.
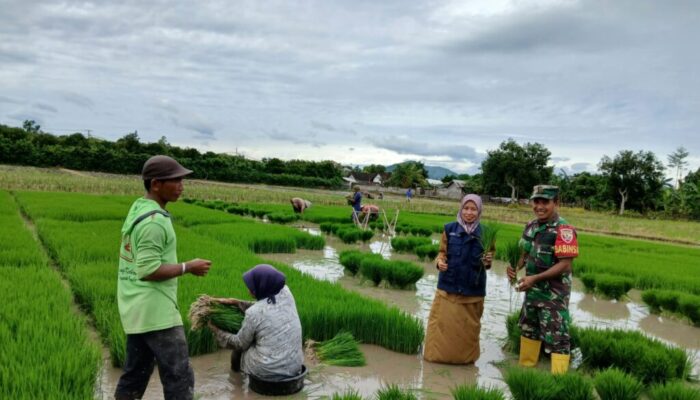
{"x": 166, "y": 347}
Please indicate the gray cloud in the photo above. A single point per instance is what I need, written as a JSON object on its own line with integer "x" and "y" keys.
{"x": 452, "y": 78}
{"x": 410, "y": 147}
{"x": 45, "y": 107}
{"x": 78, "y": 99}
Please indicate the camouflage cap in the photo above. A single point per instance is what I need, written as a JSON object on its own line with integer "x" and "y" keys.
{"x": 163, "y": 167}
{"x": 544, "y": 192}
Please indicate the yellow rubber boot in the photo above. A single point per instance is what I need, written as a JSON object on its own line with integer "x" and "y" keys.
{"x": 560, "y": 363}
{"x": 529, "y": 351}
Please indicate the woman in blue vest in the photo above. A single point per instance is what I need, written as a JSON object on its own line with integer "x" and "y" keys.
{"x": 455, "y": 317}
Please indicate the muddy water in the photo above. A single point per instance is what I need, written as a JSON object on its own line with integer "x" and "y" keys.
{"x": 214, "y": 381}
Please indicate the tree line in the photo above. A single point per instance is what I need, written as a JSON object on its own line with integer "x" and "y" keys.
{"x": 29, "y": 145}
{"x": 628, "y": 182}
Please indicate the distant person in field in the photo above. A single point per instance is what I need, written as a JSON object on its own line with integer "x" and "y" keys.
{"x": 454, "y": 323}
{"x": 549, "y": 245}
{"x": 147, "y": 288}
{"x": 299, "y": 204}
{"x": 355, "y": 200}
{"x": 409, "y": 195}
{"x": 269, "y": 343}
{"x": 370, "y": 209}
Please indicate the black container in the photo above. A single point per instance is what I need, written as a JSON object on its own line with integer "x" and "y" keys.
{"x": 280, "y": 388}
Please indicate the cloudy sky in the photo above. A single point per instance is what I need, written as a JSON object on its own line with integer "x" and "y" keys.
{"x": 360, "y": 81}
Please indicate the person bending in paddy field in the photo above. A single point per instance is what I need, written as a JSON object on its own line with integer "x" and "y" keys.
{"x": 454, "y": 323}
{"x": 147, "y": 288}
{"x": 549, "y": 246}
{"x": 269, "y": 344}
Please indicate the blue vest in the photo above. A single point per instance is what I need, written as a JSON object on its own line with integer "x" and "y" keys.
{"x": 465, "y": 274}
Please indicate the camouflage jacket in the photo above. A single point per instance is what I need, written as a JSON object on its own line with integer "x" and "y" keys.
{"x": 545, "y": 244}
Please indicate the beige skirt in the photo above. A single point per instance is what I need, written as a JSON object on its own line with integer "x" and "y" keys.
{"x": 453, "y": 329}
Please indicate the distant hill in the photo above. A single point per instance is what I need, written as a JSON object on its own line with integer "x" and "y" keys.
{"x": 433, "y": 172}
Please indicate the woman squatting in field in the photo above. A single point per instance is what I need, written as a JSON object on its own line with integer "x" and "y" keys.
{"x": 269, "y": 345}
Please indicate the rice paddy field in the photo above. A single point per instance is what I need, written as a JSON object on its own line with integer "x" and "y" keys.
{"x": 62, "y": 337}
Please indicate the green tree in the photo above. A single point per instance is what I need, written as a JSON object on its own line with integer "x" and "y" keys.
{"x": 31, "y": 126}
{"x": 676, "y": 160}
{"x": 514, "y": 168}
{"x": 636, "y": 179}
{"x": 374, "y": 169}
{"x": 409, "y": 174}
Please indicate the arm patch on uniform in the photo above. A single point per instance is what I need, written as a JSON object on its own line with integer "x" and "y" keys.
{"x": 566, "y": 244}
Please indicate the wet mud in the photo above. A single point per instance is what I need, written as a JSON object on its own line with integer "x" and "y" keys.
{"x": 215, "y": 381}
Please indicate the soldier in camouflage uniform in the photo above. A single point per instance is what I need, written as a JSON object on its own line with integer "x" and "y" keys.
{"x": 549, "y": 246}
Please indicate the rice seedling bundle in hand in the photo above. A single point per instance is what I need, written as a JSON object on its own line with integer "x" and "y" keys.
{"x": 511, "y": 254}
{"x": 488, "y": 237}
{"x": 226, "y": 317}
{"x": 343, "y": 350}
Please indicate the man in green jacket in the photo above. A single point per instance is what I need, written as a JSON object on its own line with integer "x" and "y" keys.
{"x": 147, "y": 288}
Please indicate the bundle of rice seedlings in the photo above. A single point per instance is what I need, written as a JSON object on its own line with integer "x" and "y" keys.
{"x": 427, "y": 251}
{"x": 511, "y": 254}
{"x": 402, "y": 274}
{"x": 394, "y": 392}
{"x": 343, "y": 350}
{"x": 474, "y": 392}
{"x": 488, "y": 237}
{"x": 614, "y": 384}
{"x": 349, "y": 394}
{"x": 574, "y": 386}
{"x": 531, "y": 384}
{"x": 225, "y": 317}
{"x": 374, "y": 269}
{"x": 673, "y": 391}
{"x": 351, "y": 259}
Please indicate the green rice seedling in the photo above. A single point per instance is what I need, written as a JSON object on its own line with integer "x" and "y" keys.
{"x": 327, "y": 227}
{"x": 659, "y": 299}
{"x": 588, "y": 281}
{"x": 513, "y": 329}
{"x": 374, "y": 269}
{"x": 614, "y": 384}
{"x": 282, "y": 218}
{"x": 46, "y": 352}
{"x": 226, "y": 317}
{"x": 74, "y": 207}
{"x": 342, "y": 350}
{"x": 427, "y": 251}
{"x": 531, "y": 384}
{"x": 351, "y": 259}
{"x": 402, "y": 274}
{"x": 475, "y": 392}
{"x": 613, "y": 286}
{"x": 648, "y": 359}
{"x": 675, "y": 390}
{"x": 366, "y": 236}
{"x": 511, "y": 254}
{"x": 408, "y": 244}
{"x": 349, "y": 234}
{"x": 420, "y": 231}
{"x": 394, "y": 392}
{"x": 488, "y": 237}
{"x": 237, "y": 210}
{"x": 689, "y": 305}
{"x": 574, "y": 386}
{"x": 349, "y": 394}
